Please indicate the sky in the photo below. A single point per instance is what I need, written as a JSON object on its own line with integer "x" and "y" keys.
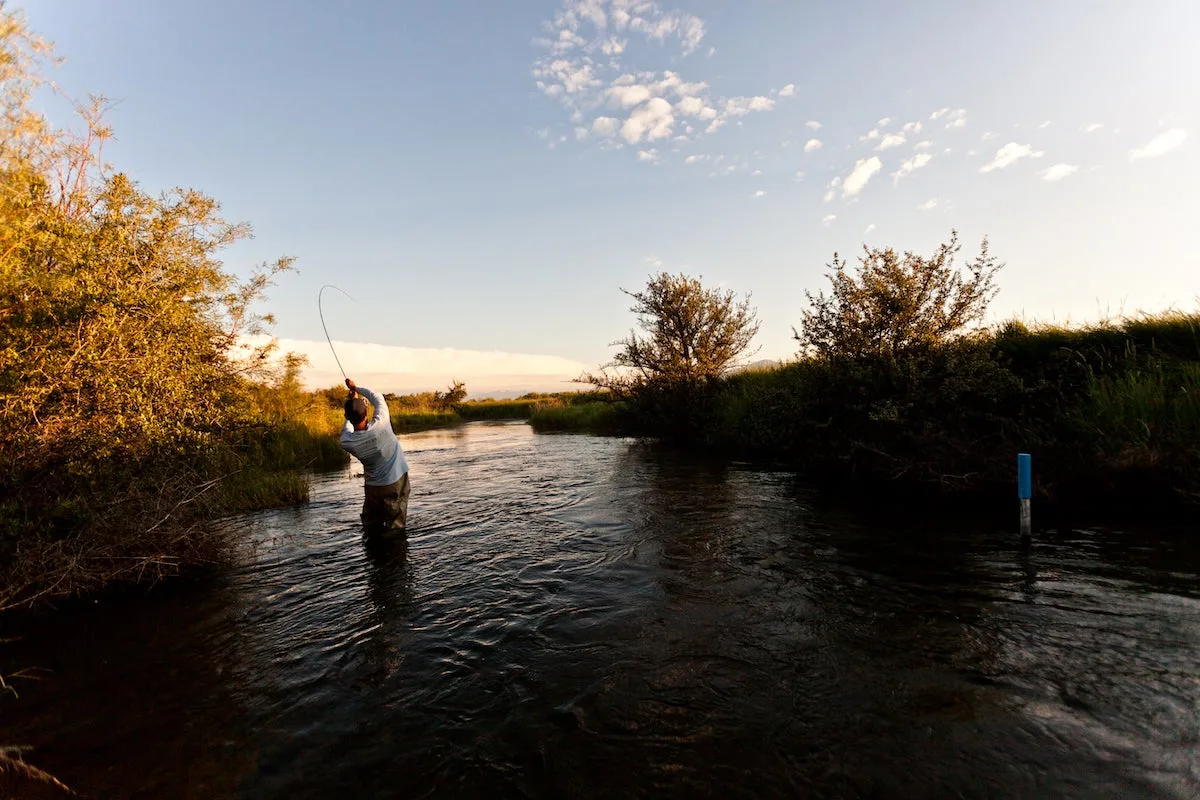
{"x": 484, "y": 178}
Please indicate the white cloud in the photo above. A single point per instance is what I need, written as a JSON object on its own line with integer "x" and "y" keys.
{"x": 812, "y": 123}
{"x": 929, "y": 204}
{"x": 911, "y": 165}
{"x": 390, "y": 368}
{"x": 653, "y": 261}
{"x": 812, "y": 144}
{"x": 695, "y": 158}
{"x": 1009, "y": 154}
{"x": 883, "y": 123}
{"x": 829, "y": 195}
{"x": 987, "y": 137}
{"x": 756, "y": 173}
{"x": 911, "y": 127}
{"x": 1159, "y": 145}
{"x": 863, "y": 171}
{"x": 651, "y": 121}
{"x": 922, "y": 145}
{"x": 799, "y": 175}
{"x": 1058, "y": 172}
{"x": 606, "y": 126}
{"x": 870, "y": 228}
{"x": 891, "y": 140}
{"x": 955, "y": 117}
{"x": 649, "y": 156}
{"x": 871, "y": 136}
{"x": 581, "y": 134}
{"x": 629, "y": 96}
{"x": 1095, "y": 126}
{"x": 741, "y": 106}
{"x": 828, "y": 219}
{"x": 760, "y": 193}
{"x": 613, "y": 46}
{"x": 581, "y": 68}
{"x": 1045, "y": 124}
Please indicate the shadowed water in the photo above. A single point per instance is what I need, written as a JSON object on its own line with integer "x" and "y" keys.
{"x": 585, "y": 617}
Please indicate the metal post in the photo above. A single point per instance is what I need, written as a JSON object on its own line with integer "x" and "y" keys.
{"x": 1025, "y": 492}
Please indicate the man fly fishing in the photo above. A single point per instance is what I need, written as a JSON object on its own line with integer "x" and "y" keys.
{"x": 385, "y": 470}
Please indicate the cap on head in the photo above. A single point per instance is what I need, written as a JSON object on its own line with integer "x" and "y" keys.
{"x": 356, "y": 409}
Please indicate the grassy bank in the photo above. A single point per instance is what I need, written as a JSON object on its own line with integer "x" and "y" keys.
{"x": 1108, "y": 411}
{"x": 417, "y": 412}
{"x": 592, "y": 417}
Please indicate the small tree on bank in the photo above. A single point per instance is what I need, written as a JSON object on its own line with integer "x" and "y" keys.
{"x": 895, "y": 305}
{"x": 690, "y": 335}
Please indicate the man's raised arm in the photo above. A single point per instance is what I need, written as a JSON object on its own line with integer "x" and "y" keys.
{"x": 376, "y": 400}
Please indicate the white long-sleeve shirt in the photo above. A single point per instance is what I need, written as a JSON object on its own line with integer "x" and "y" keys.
{"x": 376, "y": 446}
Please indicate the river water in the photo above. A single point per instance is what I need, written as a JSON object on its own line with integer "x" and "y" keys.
{"x": 588, "y": 617}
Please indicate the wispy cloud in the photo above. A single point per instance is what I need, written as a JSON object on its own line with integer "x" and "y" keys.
{"x": 929, "y": 205}
{"x": 912, "y": 127}
{"x": 650, "y": 156}
{"x": 812, "y": 123}
{"x": 923, "y": 145}
{"x": 883, "y": 123}
{"x": 581, "y": 67}
{"x": 812, "y": 145}
{"x": 760, "y": 193}
{"x": 988, "y": 136}
{"x": 1095, "y": 126}
{"x": 799, "y": 175}
{"x": 1058, "y": 172}
{"x": 911, "y": 165}
{"x": 653, "y": 261}
{"x": 832, "y": 191}
{"x": 954, "y": 117}
{"x": 1045, "y": 124}
{"x": 828, "y": 219}
{"x": 1159, "y": 145}
{"x": 870, "y": 228}
{"x": 1010, "y": 154}
{"x": 864, "y": 170}
{"x": 891, "y": 140}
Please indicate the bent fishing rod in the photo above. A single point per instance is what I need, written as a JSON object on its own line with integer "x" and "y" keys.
{"x": 321, "y": 312}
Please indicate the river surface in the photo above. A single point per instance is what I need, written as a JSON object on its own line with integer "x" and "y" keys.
{"x": 577, "y": 616}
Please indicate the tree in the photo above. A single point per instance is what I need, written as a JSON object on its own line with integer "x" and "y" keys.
{"x": 444, "y": 401}
{"x": 690, "y": 335}
{"x": 896, "y": 305}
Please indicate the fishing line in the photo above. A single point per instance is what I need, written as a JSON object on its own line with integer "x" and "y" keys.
{"x": 322, "y": 313}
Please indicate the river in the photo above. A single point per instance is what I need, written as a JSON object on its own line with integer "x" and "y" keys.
{"x": 589, "y": 617}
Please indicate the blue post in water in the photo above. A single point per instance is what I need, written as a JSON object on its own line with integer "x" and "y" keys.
{"x": 1025, "y": 491}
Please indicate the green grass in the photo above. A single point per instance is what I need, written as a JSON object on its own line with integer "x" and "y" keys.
{"x": 496, "y": 409}
{"x": 592, "y": 417}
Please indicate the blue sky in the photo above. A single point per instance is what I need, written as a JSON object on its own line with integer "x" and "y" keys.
{"x": 484, "y": 223}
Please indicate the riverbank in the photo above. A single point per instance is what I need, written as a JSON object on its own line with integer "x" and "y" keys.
{"x": 1109, "y": 412}
{"x": 418, "y": 412}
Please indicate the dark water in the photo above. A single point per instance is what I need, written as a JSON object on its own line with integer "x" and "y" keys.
{"x": 583, "y": 617}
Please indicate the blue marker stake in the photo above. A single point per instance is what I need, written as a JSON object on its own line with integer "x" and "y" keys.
{"x": 1025, "y": 491}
